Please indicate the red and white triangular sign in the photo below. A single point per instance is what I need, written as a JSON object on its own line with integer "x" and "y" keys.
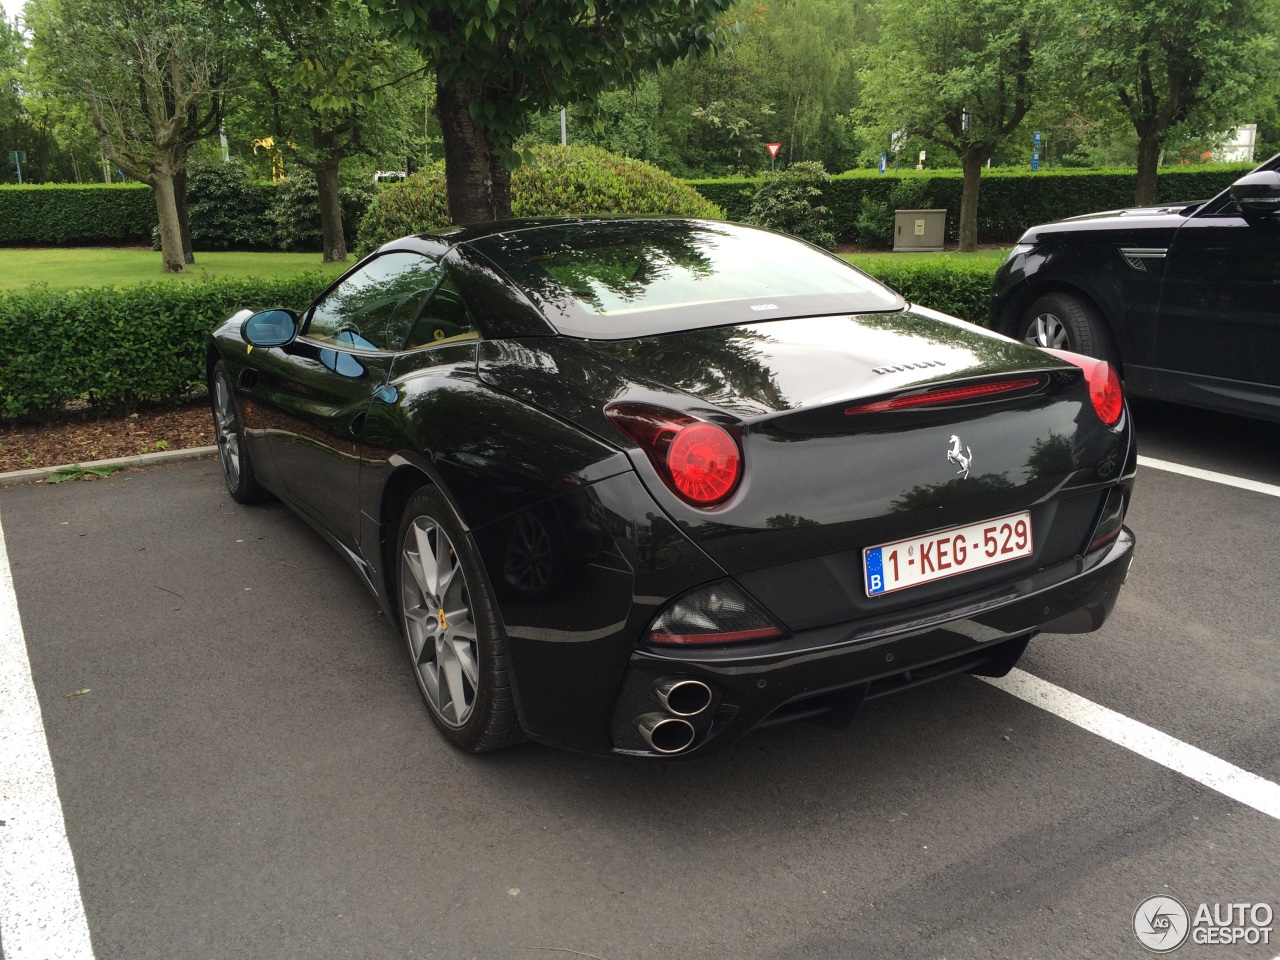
{"x": 773, "y": 148}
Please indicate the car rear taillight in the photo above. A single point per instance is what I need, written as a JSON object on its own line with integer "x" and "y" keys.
{"x": 716, "y": 613}
{"x": 1105, "y": 391}
{"x": 937, "y": 396}
{"x": 700, "y": 461}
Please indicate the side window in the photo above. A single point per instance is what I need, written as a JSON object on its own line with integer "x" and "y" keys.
{"x": 444, "y": 318}
{"x": 374, "y": 308}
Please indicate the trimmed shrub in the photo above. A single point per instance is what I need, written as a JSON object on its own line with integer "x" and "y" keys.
{"x": 1010, "y": 200}
{"x": 228, "y": 210}
{"x": 957, "y": 287}
{"x": 577, "y": 180}
{"x": 294, "y": 214}
{"x": 791, "y": 201}
{"x": 414, "y": 205}
{"x": 74, "y": 214}
{"x": 114, "y": 348}
{"x": 582, "y": 180}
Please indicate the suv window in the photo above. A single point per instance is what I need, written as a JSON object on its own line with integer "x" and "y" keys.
{"x": 375, "y": 307}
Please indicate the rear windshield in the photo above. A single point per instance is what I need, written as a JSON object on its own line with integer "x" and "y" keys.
{"x": 621, "y": 279}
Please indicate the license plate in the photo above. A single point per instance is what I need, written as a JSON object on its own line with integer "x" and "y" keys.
{"x": 908, "y": 563}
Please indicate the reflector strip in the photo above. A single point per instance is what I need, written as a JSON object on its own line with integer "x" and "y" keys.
{"x": 944, "y": 395}
{"x": 760, "y": 633}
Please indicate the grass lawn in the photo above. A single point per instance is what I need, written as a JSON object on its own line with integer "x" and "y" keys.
{"x": 868, "y": 261}
{"x": 69, "y": 268}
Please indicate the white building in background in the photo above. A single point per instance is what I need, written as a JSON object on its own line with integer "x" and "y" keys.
{"x": 1238, "y": 146}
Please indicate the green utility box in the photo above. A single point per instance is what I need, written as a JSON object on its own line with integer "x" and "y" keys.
{"x": 919, "y": 230}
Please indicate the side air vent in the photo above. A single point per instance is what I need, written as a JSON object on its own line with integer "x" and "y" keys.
{"x": 1137, "y": 257}
{"x": 248, "y": 379}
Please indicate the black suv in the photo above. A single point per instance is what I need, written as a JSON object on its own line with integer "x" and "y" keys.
{"x": 1184, "y": 298}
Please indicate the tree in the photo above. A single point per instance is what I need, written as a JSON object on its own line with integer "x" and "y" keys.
{"x": 958, "y": 73}
{"x": 151, "y": 74}
{"x": 326, "y": 72}
{"x": 1172, "y": 65}
{"x": 498, "y": 62}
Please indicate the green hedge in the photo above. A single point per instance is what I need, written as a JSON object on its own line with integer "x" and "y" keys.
{"x": 116, "y": 348}
{"x": 1009, "y": 200}
{"x": 955, "y": 287}
{"x": 227, "y": 210}
{"x": 74, "y": 214}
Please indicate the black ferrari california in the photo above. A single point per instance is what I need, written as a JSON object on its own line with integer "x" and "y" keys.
{"x": 638, "y": 486}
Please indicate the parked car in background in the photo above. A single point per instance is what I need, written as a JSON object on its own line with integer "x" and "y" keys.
{"x": 638, "y": 486}
{"x": 1185, "y": 299}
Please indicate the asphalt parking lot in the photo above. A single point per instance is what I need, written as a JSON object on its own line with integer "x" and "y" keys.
{"x": 252, "y": 774}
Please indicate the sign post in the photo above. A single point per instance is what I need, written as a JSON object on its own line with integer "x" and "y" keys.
{"x": 17, "y": 158}
{"x": 773, "y": 154}
{"x": 884, "y": 162}
{"x": 1035, "y": 160}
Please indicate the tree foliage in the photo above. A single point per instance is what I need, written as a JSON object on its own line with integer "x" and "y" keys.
{"x": 961, "y": 74}
{"x": 1180, "y": 67}
{"x": 498, "y": 62}
{"x": 325, "y": 73}
{"x": 151, "y": 76}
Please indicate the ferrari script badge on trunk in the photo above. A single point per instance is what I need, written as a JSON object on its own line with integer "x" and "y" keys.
{"x": 962, "y": 460}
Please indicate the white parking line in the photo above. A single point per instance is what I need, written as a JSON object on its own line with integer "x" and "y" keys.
{"x": 41, "y": 913}
{"x": 1227, "y": 779}
{"x": 1257, "y": 486}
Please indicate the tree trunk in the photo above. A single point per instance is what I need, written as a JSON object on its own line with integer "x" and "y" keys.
{"x": 972, "y": 163}
{"x": 170, "y": 232}
{"x": 1148, "y": 159}
{"x": 184, "y": 225}
{"x": 478, "y": 186}
{"x": 333, "y": 242}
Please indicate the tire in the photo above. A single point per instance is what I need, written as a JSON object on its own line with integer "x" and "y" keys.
{"x": 233, "y": 451}
{"x": 1065, "y": 322}
{"x": 450, "y": 629}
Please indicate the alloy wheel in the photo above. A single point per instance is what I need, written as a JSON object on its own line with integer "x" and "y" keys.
{"x": 1047, "y": 330}
{"x": 437, "y": 619}
{"x": 224, "y": 414}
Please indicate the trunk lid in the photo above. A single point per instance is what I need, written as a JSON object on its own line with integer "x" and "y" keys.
{"x": 823, "y": 475}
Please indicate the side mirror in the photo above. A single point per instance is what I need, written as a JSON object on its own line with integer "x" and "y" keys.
{"x": 270, "y": 328}
{"x": 1258, "y": 193}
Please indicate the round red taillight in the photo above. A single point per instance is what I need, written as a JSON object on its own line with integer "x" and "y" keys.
{"x": 1106, "y": 393}
{"x": 704, "y": 463}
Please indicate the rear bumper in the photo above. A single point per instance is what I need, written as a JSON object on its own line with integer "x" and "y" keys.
{"x": 828, "y": 671}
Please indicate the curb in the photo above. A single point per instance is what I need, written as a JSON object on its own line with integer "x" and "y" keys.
{"x": 141, "y": 460}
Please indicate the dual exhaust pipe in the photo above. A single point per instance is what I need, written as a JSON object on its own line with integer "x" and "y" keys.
{"x": 671, "y": 732}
